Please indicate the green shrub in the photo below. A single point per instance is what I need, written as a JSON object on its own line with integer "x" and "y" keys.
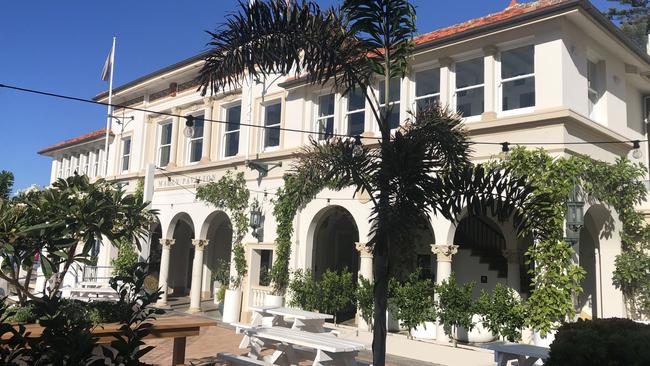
{"x": 22, "y": 314}
{"x": 455, "y": 305}
{"x": 503, "y": 312}
{"x": 302, "y": 288}
{"x": 609, "y": 342}
{"x": 222, "y": 275}
{"x": 126, "y": 260}
{"x": 336, "y": 292}
{"x": 412, "y": 301}
{"x": 365, "y": 299}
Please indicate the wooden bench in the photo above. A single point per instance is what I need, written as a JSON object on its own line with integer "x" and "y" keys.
{"x": 232, "y": 359}
{"x": 291, "y": 345}
{"x": 526, "y": 354}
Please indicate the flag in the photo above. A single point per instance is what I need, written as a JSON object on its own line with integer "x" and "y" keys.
{"x": 106, "y": 72}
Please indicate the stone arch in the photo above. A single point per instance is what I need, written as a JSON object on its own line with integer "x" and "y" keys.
{"x": 178, "y": 217}
{"x": 217, "y": 229}
{"x": 181, "y": 228}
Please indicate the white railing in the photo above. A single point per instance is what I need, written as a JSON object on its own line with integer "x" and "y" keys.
{"x": 258, "y": 293}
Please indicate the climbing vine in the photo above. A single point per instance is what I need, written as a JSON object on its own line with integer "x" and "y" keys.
{"x": 615, "y": 184}
{"x": 231, "y": 195}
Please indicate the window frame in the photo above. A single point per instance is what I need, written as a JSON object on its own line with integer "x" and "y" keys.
{"x": 500, "y": 81}
{"x": 454, "y": 90}
{"x": 345, "y": 103}
{"x": 191, "y": 141}
{"x": 66, "y": 166}
{"x": 414, "y": 81}
{"x": 59, "y": 168}
{"x": 160, "y": 145}
{"x": 265, "y": 128}
{"x": 96, "y": 162}
{"x": 395, "y": 104}
{"x": 126, "y": 155}
{"x": 592, "y": 108}
{"x": 318, "y": 118}
{"x": 86, "y": 163}
{"x": 224, "y": 131}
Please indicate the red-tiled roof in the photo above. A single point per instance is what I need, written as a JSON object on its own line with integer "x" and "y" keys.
{"x": 511, "y": 11}
{"x": 77, "y": 140}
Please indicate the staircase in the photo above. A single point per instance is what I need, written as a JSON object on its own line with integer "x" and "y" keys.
{"x": 484, "y": 241}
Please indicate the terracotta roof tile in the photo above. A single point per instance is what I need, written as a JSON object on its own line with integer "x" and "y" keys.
{"x": 76, "y": 140}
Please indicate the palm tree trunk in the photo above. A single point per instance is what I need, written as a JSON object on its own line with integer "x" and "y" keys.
{"x": 380, "y": 264}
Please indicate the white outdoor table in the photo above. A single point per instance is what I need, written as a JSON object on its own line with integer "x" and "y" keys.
{"x": 308, "y": 321}
{"x": 289, "y": 343}
{"x": 526, "y": 354}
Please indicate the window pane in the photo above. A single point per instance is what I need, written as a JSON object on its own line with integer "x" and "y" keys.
{"x": 166, "y": 134}
{"x": 272, "y": 114}
{"x": 469, "y": 73}
{"x": 164, "y": 155}
{"x": 356, "y": 100}
{"x": 356, "y": 123}
{"x": 125, "y": 163}
{"x": 470, "y": 102}
{"x": 394, "y": 89}
{"x": 519, "y": 93}
{"x": 233, "y": 117}
{"x": 326, "y": 105}
{"x": 427, "y": 82}
{"x": 196, "y": 147}
{"x": 519, "y": 61}
{"x": 325, "y": 128}
{"x": 232, "y": 144}
{"x": 127, "y": 147}
{"x": 271, "y": 137}
{"x": 428, "y": 102}
{"x": 199, "y": 122}
{"x": 393, "y": 117}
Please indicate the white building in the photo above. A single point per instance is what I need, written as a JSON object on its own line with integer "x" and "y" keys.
{"x": 548, "y": 71}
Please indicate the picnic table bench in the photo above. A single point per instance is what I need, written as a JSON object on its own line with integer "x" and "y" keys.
{"x": 308, "y": 321}
{"x": 94, "y": 293}
{"x": 526, "y": 354}
{"x": 292, "y": 344}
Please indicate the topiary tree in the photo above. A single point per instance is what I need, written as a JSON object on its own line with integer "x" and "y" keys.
{"x": 335, "y": 292}
{"x": 365, "y": 299}
{"x": 303, "y": 290}
{"x": 413, "y": 301}
{"x": 455, "y": 305}
{"x": 126, "y": 260}
{"x": 502, "y": 312}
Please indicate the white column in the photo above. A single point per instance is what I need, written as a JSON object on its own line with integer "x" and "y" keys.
{"x": 446, "y": 94}
{"x": 365, "y": 271}
{"x": 207, "y": 130}
{"x": 176, "y": 130}
{"x": 443, "y": 272}
{"x": 197, "y": 274}
{"x": 514, "y": 260}
{"x": 490, "y": 88}
{"x": 164, "y": 269}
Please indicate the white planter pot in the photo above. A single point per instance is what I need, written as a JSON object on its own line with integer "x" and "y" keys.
{"x": 426, "y": 330}
{"x": 478, "y": 334}
{"x": 215, "y": 291}
{"x": 543, "y": 341}
{"x": 273, "y": 300}
{"x": 392, "y": 323}
{"x": 232, "y": 306}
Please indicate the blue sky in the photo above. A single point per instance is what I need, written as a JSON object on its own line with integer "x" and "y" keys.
{"x": 60, "y": 46}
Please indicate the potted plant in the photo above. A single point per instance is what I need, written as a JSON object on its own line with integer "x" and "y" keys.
{"x": 413, "y": 304}
{"x": 221, "y": 281}
{"x": 502, "y": 312}
{"x": 456, "y": 308}
{"x": 365, "y": 302}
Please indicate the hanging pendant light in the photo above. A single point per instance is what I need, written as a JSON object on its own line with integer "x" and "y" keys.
{"x": 189, "y": 126}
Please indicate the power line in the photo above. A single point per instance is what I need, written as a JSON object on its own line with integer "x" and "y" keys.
{"x": 90, "y": 101}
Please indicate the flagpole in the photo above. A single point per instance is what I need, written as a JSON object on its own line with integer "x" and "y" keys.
{"x": 110, "y": 109}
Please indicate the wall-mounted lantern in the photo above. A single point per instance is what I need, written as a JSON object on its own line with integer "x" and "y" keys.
{"x": 255, "y": 221}
{"x": 574, "y": 215}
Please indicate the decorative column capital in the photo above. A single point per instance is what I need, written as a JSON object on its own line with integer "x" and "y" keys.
{"x": 513, "y": 255}
{"x": 200, "y": 244}
{"x": 167, "y": 243}
{"x": 364, "y": 250}
{"x": 444, "y": 252}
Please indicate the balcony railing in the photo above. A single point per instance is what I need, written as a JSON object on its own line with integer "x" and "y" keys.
{"x": 258, "y": 294}
{"x": 97, "y": 273}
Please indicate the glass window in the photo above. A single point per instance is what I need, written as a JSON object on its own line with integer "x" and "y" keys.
{"x": 325, "y": 118}
{"x": 86, "y": 164}
{"x": 272, "y": 116}
{"x": 427, "y": 88}
{"x": 355, "y": 116}
{"x": 96, "y": 163}
{"x": 165, "y": 144}
{"x": 394, "y": 100}
{"x": 126, "y": 153}
{"x": 196, "y": 142}
{"x": 231, "y": 133}
{"x": 518, "y": 78}
{"x": 592, "y": 87}
{"x": 469, "y": 87}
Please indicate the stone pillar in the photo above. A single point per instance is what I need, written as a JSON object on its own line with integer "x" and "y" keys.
{"x": 514, "y": 265}
{"x": 365, "y": 271}
{"x": 207, "y": 130}
{"x": 443, "y": 272}
{"x": 176, "y": 130}
{"x": 197, "y": 273}
{"x": 490, "y": 89}
{"x": 446, "y": 94}
{"x": 164, "y": 269}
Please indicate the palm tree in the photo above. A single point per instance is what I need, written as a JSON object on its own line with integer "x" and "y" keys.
{"x": 422, "y": 169}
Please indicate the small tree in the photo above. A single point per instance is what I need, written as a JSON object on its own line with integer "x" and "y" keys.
{"x": 335, "y": 292}
{"x": 6, "y": 183}
{"x": 455, "y": 305}
{"x": 222, "y": 275}
{"x": 303, "y": 290}
{"x": 503, "y": 312}
{"x": 412, "y": 301}
{"x": 633, "y": 17}
{"x": 365, "y": 299}
{"x": 126, "y": 260}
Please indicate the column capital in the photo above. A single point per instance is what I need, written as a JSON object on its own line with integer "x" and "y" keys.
{"x": 364, "y": 250}
{"x": 200, "y": 244}
{"x": 513, "y": 255}
{"x": 167, "y": 243}
{"x": 444, "y": 252}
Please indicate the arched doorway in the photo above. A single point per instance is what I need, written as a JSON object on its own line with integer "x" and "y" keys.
{"x": 218, "y": 230}
{"x": 155, "y": 249}
{"x": 334, "y": 241}
{"x": 480, "y": 258}
{"x": 181, "y": 256}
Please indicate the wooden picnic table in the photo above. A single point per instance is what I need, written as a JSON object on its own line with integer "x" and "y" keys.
{"x": 308, "y": 321}
{"x": 525, "y": 354}
{"x": 290, "y": 343}
{"x": 176, "y": 327}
